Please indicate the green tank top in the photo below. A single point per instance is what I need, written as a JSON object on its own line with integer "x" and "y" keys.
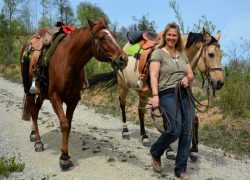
{"x": 171, "y": 71}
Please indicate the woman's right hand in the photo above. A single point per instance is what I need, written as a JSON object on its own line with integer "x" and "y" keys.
{"x": 155, "y": 102}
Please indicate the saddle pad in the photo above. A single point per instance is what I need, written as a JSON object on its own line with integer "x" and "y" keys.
{"x": 133, "y": 49}
{"x": 52, "y": 48}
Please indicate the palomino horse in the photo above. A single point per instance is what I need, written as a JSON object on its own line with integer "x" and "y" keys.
{"x": 200, "y": 47}
{"x": 65, "y": 76}
{"x": 211, "y": 69}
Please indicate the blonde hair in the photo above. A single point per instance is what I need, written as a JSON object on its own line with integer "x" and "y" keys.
{"x": 162, "y": 42}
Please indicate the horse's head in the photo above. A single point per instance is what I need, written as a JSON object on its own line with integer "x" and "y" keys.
{"x": 210, "y": 60}
{"x": 105, "y": 47}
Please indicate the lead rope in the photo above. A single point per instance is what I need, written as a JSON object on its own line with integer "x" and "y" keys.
{"x": 152, "y": 112}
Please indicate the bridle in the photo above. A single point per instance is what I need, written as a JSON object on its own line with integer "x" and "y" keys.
{"x": 96, "y": 47}
{"x": 208, "y": 68}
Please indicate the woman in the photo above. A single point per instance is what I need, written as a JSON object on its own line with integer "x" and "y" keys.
{"x": 169, "y": 69}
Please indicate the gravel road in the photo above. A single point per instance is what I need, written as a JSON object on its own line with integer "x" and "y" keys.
{"x": 96, "y": 146}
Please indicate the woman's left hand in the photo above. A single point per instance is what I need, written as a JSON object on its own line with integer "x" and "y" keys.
{"x": 185, "y": 81}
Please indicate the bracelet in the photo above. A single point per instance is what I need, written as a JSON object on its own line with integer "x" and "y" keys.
{"x": 155, "y": 95}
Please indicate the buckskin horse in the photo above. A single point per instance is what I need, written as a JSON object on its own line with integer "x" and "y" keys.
{"x": 65, "y": 77}
{"x": 203, "y": 50}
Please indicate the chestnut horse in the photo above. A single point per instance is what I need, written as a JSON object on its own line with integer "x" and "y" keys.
{"x": 199, "y": 47}
{"x": 65, "y": 77}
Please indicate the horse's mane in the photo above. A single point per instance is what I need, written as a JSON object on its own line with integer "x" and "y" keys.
{"x": 81, "y": 35}
{"x": 213, "y": 41}
{"x": 194, "y": 38}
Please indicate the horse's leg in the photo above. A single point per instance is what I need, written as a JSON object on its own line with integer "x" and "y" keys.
{"x": 141, "y": 110}
{"x": 65, "y": 161}
{"x": 194, "y": 149}
{"x": 57, "y": 105}
{"x": 122, "y": 98}
{"x": 213, "y": 92}
{"x": 35, "y": 105}
{"x": 32, "y": 133}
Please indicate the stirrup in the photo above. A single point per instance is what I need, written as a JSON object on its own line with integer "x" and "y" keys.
{"x": 33, "y": 88}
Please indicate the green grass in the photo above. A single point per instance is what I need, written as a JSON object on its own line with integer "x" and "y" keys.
{"x": 10, "y": 165}
{"x": 231, "y": 135}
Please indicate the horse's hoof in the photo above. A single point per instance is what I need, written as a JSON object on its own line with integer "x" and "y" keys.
{"x": 65, "y": 166}
{"x": 145, "y": 141}
{"x": 65, "y": 162}
{"x": 125, "y": 134}
{"x": 170, "y": 154}
{"x": 39, "y": 146}
{"x": 33, "y": 136}
{"x": 193, "y": 156}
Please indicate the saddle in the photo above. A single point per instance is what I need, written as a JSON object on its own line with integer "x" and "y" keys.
{"x": 142, "y": 45}
{"x": 43, "y": 43}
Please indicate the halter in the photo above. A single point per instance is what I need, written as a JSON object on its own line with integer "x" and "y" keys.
{"x": 209, "y": 69}
{"x": 96, "y": 46}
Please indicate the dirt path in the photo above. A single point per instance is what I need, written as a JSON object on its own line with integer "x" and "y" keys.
{"x": 96, "y": 146}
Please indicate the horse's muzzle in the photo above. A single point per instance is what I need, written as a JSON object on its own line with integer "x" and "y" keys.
{"x": 122, "y": 62}
{"x": 217, "y": 85}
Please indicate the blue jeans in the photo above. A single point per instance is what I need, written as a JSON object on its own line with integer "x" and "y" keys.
{"x": 181, "y": 127}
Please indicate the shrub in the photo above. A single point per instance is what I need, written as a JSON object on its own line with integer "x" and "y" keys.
{"x": 235, "y": 96}
{"x": 10, "y": 165}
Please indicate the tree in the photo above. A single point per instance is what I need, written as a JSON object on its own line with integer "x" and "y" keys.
{"x": 197, "y": 27}
{"x": 45, "y": 19}
{"x": 88, "y": 10}
{"x": 25, "y": 18}
{"x": 64, "y": 9}
{"x": 68, "y": 15}
{"x": 204, "y": 22}
{"x": 11, "y": 9}
{"x": 178, "y": 15}
{"x": 143, "y": 24}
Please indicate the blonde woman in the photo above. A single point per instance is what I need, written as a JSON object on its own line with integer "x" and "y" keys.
{"x": 169, "y": 68}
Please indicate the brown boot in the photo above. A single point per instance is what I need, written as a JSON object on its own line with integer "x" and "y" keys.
{"x": 184, "y": 176}
{"x": 156, "y": 163}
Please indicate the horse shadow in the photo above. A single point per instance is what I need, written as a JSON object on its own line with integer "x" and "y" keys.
{"x": 99, "y": 142}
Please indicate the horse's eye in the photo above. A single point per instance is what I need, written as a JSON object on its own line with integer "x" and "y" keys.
{"x": 102, "y": 39}
{"x": 211, "y": 55}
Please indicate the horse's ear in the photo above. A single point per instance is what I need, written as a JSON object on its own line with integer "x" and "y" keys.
{"x": 91, "y": 23}
{"x": 218, "y": 35}
{"x": 204, "y": 32}
{"x": 103, "y": 20}
{"x": 206, "y": 36}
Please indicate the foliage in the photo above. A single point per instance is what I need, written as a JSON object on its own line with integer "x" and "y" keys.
{"x": 178, "y": 15}
{"x": 232, "y": 135}
{"x": 197, "y": 27}
{"x": 235, "y": 96}
{"x": 10, "y": 165}
{"x": 65, "y": 11}
{"x": 143, "y": 24}
{"x": 95, "y": 67}
{"x": 88, "y": 10}
{"x": 204, "y": 23}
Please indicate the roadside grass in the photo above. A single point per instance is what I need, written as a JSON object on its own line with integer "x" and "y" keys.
{"x": 9, "y": 165}
{"x": 231, "y": 135}
{"x": 12, "y": 73}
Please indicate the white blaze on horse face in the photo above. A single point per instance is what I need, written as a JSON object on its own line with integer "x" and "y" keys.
{"x": 112, "y": 38}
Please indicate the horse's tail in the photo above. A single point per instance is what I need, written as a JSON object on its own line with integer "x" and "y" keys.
{"x": 26, "y": 116}
{"x": 106, "y": 79}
